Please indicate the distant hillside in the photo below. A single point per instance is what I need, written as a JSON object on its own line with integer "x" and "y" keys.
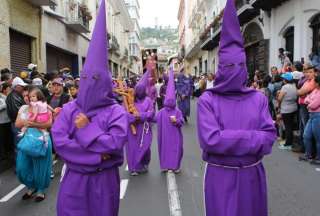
{"x": 165, "y": 34}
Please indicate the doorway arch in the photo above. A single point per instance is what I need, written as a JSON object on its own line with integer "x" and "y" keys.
{"x": 315, "y": 25}
{"x": 256, "y": 49}
{"x": 288, "y": 35}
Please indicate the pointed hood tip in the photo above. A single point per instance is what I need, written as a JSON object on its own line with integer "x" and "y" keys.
{"x": 170, "y": 98}
{"x": 231, "y": 76}
{"x": 231, "y": 43}
{"x": 144, "y": 79}
{"x": 142, "y": 86}
{"x": 95, "y": 89}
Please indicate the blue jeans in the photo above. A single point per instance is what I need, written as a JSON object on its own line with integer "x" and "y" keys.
{"x": 303, "y": 119}
{"x": 312, "y": 130}
{"x": 15, "y": 132}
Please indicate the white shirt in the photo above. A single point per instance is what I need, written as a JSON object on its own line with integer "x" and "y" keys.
{"x": 209, "y": 84}
{"x": 297, "y": 75}
{"x": 158, "y": 87}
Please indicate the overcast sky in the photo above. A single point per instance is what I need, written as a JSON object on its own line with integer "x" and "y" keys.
{"x": 165, "y": 10}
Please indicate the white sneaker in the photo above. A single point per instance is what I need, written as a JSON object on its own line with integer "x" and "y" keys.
{"x": 134, "y": 174}
{"x": 177, "y": 171}
{"x": 283, "y": 147}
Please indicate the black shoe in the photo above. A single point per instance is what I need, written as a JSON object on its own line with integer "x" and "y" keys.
{"x": 315, "y": 162}
{"x": 297, "y": 149}
{"x": 40, "y": 198}
{"x": 305, "y": 158}
{"x": 27, "y": 196}
{"x": 185, "y": 119}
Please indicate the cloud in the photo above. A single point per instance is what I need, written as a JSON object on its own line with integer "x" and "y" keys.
{"x": 165, "y": 11}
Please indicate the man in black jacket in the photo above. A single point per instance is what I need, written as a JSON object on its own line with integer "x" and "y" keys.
{"x": 59, "y": 98}
{"x": 14, "y": 101}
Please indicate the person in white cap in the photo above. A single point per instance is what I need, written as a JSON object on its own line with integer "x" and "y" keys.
{"x": 37, "y": 82}
{"x": 14, "y": 101}
{"x": 32, "y": 67}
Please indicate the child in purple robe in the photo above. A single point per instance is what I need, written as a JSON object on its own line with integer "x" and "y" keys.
{"x": 89, "y": 135}
{"x": 235, "y": 132}
{"x": 138, "y": 148}
{"x": 170, "y": 138}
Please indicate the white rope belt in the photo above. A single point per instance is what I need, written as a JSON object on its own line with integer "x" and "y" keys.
{"x": 235, "y": 167}
{"x": 145, "y": 130}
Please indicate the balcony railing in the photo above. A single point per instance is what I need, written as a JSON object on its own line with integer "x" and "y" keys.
{"x": 266, "y": 5}
{"x": 195, "y": 13}
{"x": 213, "y": 27}
{"x": 134, "y": 52}
{"x": 114, "y": 46}
{"x": 246, "y": 11}
{"x": 40, "y": 3}
{"x": 241, "y": 3}
{"x": 77, "y": 16}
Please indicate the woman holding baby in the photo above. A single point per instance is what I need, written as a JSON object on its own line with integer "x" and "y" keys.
{"x": 35, "y": 148}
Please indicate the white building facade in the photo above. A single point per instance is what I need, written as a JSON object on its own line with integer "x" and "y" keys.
{"x": 55, "y": 34}
{"x": 119, "y": 27}
{"x": 134, "y": 38}
{"x": 66, "y": 31}
{"x": 266, "y": 25}
{"x": 294, "y": 26}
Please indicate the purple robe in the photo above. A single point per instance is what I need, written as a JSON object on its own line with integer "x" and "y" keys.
{"x": 138, "y": 148}
{"x": 152, "y": 94}
{"x": 183, "y": 93}
{"x": 90, "y": 185}
{"x": 170, "y": 138}
{"x": 163, "y": 88}
{"x": 235, "y": 131}
{"x": 235, "y": 139}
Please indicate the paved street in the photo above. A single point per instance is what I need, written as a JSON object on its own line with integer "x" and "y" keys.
{"x": 293, "y": 187}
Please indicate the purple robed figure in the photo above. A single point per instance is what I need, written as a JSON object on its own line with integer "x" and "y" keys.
{"x": 93, "y": 150}
{"x": 163, "y": 88}
{"x": 138, "y": 148}
{"x": 152, "y": 91}
{"x": 235, "y": 131}
{"x": 170, "y": 138}
{"x": 184, "y": 92}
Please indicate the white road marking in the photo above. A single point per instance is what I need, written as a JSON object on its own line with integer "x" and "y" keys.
{"x": 318, "y": 169}
{"x": 12, "y": 193}
{"x": 15, "y": 191}
{"x": 123, "y": 187}
{"x": 173, "y": 195}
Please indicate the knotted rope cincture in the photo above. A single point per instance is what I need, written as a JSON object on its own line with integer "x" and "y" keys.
{"x": 145, "y": 130}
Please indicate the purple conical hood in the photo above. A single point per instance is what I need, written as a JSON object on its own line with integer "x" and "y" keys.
{"x": 142, "y": 85}
{"x": 144, "y": 79}
{"x": 95, "y": 90}
{"x": 231, "y": 77}
{"x": 170, "y": 98}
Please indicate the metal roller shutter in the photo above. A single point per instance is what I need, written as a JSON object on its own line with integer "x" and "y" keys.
{"x": 20, "y": 51}
{"x": 58, "y": 59}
